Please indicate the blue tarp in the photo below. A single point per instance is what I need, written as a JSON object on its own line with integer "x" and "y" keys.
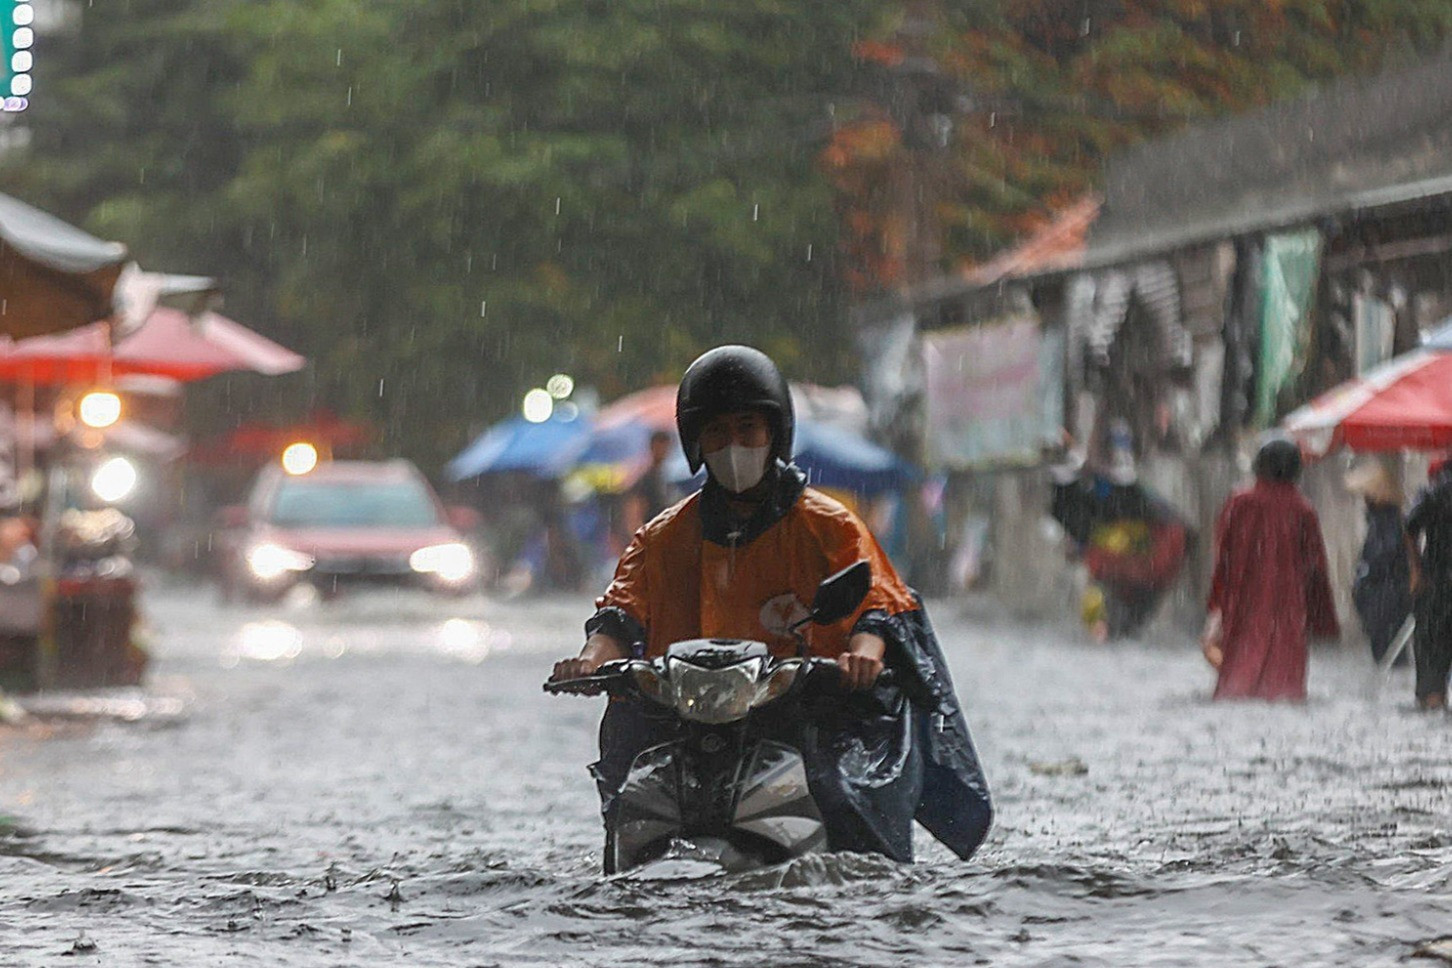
{"x": 546, "y": 449}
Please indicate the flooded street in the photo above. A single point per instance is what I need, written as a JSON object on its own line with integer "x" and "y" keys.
{"x": 380, "y": 780}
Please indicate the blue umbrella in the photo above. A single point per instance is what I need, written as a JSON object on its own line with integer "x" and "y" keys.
{"x": 832, "y": 457}
{"x": 836, "y": 457}
{"x": 546, "y": 449}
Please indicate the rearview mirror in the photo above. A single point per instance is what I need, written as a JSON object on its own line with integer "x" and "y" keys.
{"x": 838, "y": 596}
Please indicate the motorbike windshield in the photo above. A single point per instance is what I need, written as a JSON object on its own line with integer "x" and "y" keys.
{"x": 714, "y": 695}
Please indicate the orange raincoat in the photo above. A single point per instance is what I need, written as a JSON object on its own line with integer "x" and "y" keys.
{"x": 676, "y": 585}
{"x": 694, "y": 572}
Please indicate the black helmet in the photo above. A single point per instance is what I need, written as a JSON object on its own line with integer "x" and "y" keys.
{"x": 1279, "y": 459}
{"x": 727, "y": 379}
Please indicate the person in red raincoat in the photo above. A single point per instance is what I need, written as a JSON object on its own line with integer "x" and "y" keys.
{"x": 1270, "y": 588}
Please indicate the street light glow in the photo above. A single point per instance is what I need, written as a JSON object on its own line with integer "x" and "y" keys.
{"x": 538, "y": 405}
{"x": 299, "y": 458}
{"x": 99, "y": 409}
{"x": 560, "y": 385}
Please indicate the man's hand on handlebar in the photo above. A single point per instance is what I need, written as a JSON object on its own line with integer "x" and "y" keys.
{"x": 599, "y": 649}
{"x": 861, "y": 664}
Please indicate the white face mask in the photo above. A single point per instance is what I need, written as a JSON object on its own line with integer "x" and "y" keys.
{"x": 738, "y": 468}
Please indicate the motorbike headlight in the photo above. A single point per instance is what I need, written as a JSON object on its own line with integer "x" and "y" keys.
{"x": 779, "y": 682}
{"x": 714, "y": 695}
{"x": 114, "y": 480}
{"x": 268, "y": 561}
{"x": 452, "y": 562}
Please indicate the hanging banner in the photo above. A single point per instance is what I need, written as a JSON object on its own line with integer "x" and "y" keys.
{"x": 994, "y": 392}
{"x": 1290, "y": 263}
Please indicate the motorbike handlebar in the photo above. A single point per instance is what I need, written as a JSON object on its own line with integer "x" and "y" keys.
{"x": 820, "y": 675}
{"x": 609, "y": 678}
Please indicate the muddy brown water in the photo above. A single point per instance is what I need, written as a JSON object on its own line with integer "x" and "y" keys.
{"x": 380, "y": 781}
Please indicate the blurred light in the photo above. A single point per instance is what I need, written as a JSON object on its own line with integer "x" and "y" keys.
{"x": 465, "y": 639}
{"x": 114, "y": 479}
{"x": 20, "y": 85}
{"x": 23, "y": 39}
{"x": 560, "y": 386}
{"x": 538, "y": 405}
{"x": 299, "y": 458}
{"x": 452, "y": 562}
{"x": 566, "y": 411}
{"x": 269, "y": 641}
{"x": 22, "y": 62}
{"x": 99, "y": 409}
{"x": 24, "y": 15}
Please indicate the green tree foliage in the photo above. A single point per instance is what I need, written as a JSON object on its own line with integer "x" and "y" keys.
{"x": 443, "y": 203}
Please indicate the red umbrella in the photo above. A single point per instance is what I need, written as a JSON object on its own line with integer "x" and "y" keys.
{"x": 1405, "y": 402}
{"x": 168, "y": 344}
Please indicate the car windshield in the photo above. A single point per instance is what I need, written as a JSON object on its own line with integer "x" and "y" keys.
{"x": 336, "y": 504}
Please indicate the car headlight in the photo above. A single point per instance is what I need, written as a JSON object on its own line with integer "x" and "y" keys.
{"x": 452, "y": 562}
{"x": 714, "y": 695}
{"x": 268, "y": 561}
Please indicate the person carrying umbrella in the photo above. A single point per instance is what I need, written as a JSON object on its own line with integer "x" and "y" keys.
{"x": 1380, "y": 591}
{"x": 1429, "y": 545}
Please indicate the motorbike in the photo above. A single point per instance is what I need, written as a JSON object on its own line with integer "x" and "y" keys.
{"x": 729, "y": 782}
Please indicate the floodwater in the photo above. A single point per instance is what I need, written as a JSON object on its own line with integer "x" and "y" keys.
{"x": 380, "y": 780}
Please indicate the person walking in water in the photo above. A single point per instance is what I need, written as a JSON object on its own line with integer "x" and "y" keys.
{"x": 1380, "y": 590}
{"x": 1270, "y": 589}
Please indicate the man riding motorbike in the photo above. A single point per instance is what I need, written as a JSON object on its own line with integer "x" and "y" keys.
{"x": 742, "y": 558}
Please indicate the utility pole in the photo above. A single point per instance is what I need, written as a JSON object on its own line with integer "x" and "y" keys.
{"x": 910, "y": 89}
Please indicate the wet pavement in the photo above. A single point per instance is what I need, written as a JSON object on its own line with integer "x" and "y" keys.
{"x": 379, "y": 780}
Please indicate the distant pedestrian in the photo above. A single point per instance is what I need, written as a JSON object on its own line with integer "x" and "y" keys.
{"x": 1429, "y": 539}
{"x": 652, "y": 493}
{"x": 1270, "y": 588}
{"x": 1381, "y": 590}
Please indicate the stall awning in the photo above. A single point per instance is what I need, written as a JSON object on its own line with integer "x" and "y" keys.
{"x": 53, "y": 276}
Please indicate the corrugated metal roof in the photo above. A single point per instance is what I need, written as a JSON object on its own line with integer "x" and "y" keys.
{"x": 1358, "y": 144}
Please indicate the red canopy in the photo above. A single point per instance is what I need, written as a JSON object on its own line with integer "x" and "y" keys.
{"x": 168, "y": 344}
{"x": 1405, "y": 402}
{"x": 257, "y": 442}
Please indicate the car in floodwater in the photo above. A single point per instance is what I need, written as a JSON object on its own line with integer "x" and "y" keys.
{"x": 343, "y": 523}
